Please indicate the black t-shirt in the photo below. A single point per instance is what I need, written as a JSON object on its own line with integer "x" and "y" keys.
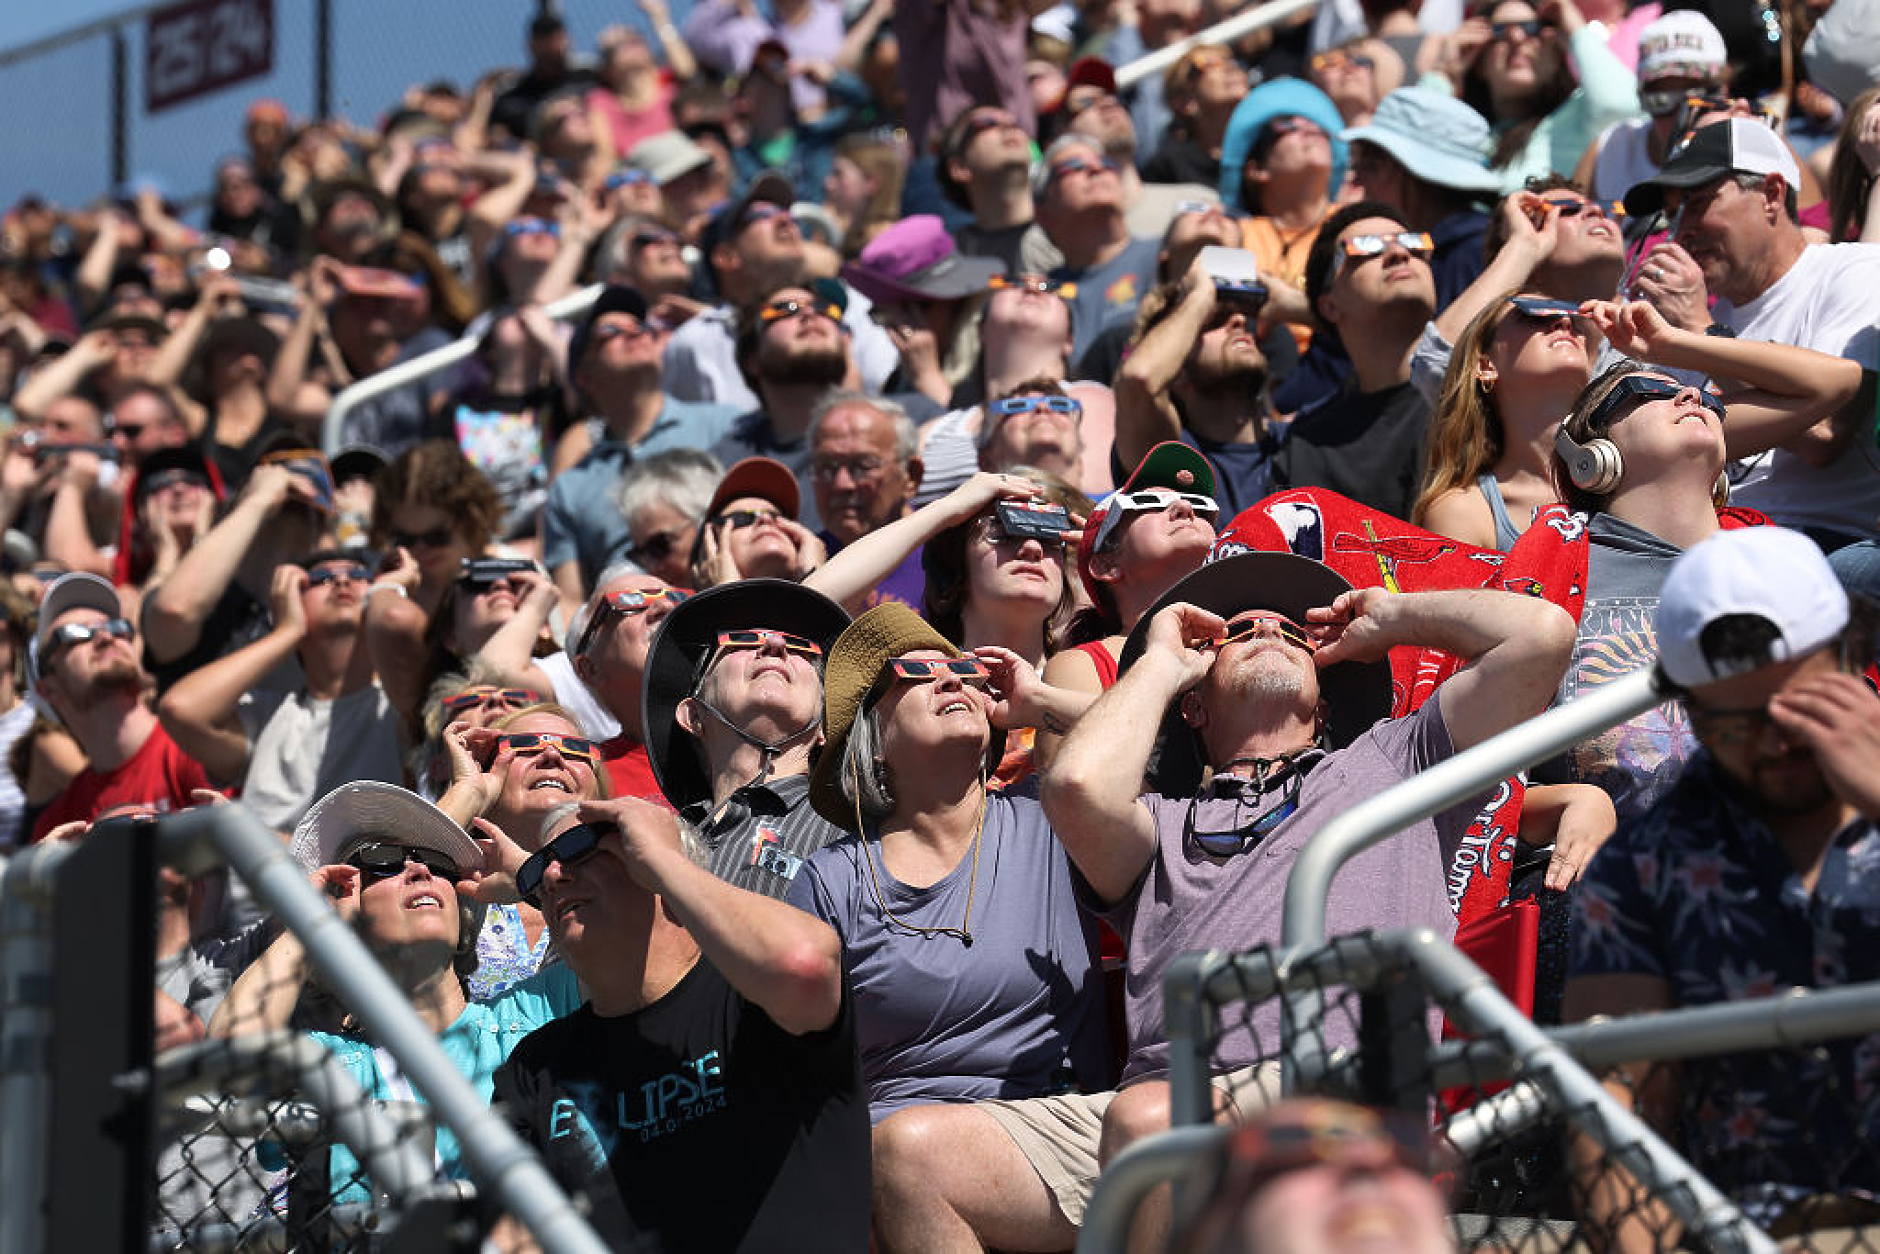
{"x": 697, "y": 1123}
{"x": 1364, "y": 445}
{"x": 1181, "y": 160}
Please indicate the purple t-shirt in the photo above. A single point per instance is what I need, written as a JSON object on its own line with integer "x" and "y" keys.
{"x": 1187, "y": 900}
{"x": 906, "y": 583}
{"x": 961, "y": 53}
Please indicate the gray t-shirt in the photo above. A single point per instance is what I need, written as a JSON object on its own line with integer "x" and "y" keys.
{"x": 939, "y": 1021}
{"x": 301, "y": 749}
{"x": 1187, "y": 900}
{"x": 1108, "y": 293}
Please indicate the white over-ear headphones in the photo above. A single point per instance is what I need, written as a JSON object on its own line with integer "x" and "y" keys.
{"x": 1593, "y": 466}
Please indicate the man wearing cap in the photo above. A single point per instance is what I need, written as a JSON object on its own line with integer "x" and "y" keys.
{"x": 753, "y": 248}
{"x": 733, "y": 707}
{"x": 84, "y": 670}
{"x": 1730, "y": 197}
{"x": 1079, "y": 195}
{"x": 1271, "y": 670}
{"x": 690, "y": 183}
{"x": 1756, "y": 872}
{"x": 616, "y": 362}
{"x": 1369, "y": 283}
{"x": 1680, "y": 54}
{"x": 286, "y": 746}
{"x": 750, "y": 530}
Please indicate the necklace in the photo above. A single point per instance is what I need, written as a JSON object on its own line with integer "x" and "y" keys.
{"x": 963, "y": 931}
{"x": 1293, "y": 272}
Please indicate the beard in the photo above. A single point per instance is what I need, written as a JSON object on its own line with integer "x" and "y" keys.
{"x": 1244, "y": 381}
{"x": 826, "y": 367}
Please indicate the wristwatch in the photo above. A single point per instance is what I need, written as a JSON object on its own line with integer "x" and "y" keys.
{"x": 1721, "y": 330}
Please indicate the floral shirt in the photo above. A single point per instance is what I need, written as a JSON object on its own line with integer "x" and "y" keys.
{"x": 1699, "y": 893}
{"x": 504, "y": 956}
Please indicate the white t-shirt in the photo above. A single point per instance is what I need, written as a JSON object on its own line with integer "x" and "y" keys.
{"x": 577, "y": 698}
{"x": 1624, "y": 161}
{"x": 301, "y": 749}
{"x": 1828, "y": 301}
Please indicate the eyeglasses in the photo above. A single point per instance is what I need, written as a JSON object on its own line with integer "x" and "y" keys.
{"x": 531, "y": 226}
{"x": 1502, "y": 32}
{"x": 173, "y": 477}
{"x": 1357, "y": 249}
{"x": 571, "y": 848}
{"x": 1569, "y": 207}
{"x": 1081, "y": 165}
{"x": 760, "y": 638}
{"x": 1326, "y": 62}
{"x": 435, "y": 538}
{"x": 1031, "y": 283}
{"x": 1251, "y": 625}
{"x": 384, "y": 862}
{"x": 629, "y": 331}
{"x": 655, "y": 548}
{"x": 1151, "y": 499}
{"x": 1540, "y": 309}
{"x": 923, "y": 670}
{"x": 532, "y": 743}
{"x": 1083, "y": 104}
{"x": 1011, "y": 406}
{"x": 1728, "y": 728}
{"x": 778, "y": 310}
{"x": 1636, "y": 389}
{"x": 861, "y": 469}
{"x": 320, "y": 576}
{"x": 743, "y": 518}
{"x": 627, "y": 178}
{"x": 71, "y": 634}
{"x": 624, "y": 605}
{"x": 514, "y": 698}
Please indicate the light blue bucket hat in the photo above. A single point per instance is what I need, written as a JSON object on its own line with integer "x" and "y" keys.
{"x": 1436, "y": 137}
{"x": 1283, "y": 97}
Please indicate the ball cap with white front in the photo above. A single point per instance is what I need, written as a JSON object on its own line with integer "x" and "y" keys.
{"x": 77, "y": 591}
{"x": 1766, "y": 573}
{"x": 1731, "y": 146}
{"x": 369, "y": 810}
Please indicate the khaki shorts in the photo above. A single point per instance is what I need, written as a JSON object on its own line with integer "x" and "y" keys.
{"x": 1059, "y": 1136}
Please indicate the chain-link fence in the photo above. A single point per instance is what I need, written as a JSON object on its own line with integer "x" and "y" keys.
{"x": 319, "y": 1111}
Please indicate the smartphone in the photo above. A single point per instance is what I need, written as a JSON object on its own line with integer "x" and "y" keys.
{"x": 481, "y": 572}
{"x": 309, "y": 464}
{"x": 1034, "y": 520}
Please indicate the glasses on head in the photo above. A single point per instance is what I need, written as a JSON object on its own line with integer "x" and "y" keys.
{"x": 778, "y": 310}
{"x": 478, "y": 698}
{"x": 624, "y": 605}
{"x": 1571, "y": 206}
{"x": 1032, "y": 283}
{"x": 1502, "y": 32}
{"x": 1540, "y": 309}
{"x": 1011, "y": 406}
{"x": 63, "y": 638}
{"x": 1355, "y": 250}
{"x": 1082, "y": 165}
{"x": 385, "y": 861}
{"x": 861, "y": 469}
{"x": 1250, "y": 625}
{"x": 176, "y": 476}
{"x": 529, "y": 744}
{"x": 627, "y": 178}
{"x": 1326, "y": 62}
{"x": 530, "y": 226}
{"x": 925, "y": 670}
{"x": 629, "y": 331}
{"x": 655, "y": 548}
{"x": 435, "y": 538}
{"x": 352, "y": 572}
{"x": 571, "y": 848}
{"x": 1636, "y": 389}
{"x": 739, "y": 519}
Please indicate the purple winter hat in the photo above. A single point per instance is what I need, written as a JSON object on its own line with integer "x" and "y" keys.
{"x": 915, "y": 260}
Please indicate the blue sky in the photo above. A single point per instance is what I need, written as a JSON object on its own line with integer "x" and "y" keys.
{"x": 57, "y": 138}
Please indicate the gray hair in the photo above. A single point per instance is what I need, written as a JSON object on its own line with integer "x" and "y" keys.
{"x": 906, "y": 434}
{"x": 1041, "y": 173}
{"x": 621, "y": 569}
{"x": 863, "y": 779}
{"x": 690, "y": 842}
{"x": 683, "y": 478}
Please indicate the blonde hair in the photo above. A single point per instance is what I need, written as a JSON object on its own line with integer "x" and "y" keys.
{"x": 1466, "y": 433}
{"x": 561, "y": 712}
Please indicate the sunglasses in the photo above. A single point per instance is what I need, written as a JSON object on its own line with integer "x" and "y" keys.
{"x": 1151, "y": 499}
{"x": 1727, "y": 728}
{"x": 435, "y": 538}
{"x": 129, "y": 430}
{"x": 991, "y": 529}
{"x": 384, "y": 861}
{"x": 571, "y": 848}
{"x": 1636, "y": 389}
{"x": 980, "y": 123}
{"x": 1357, "y": 249}
{"x": 1031, "y": 283}
{"x": 1227, "y": 842}
{"x": 778, "y": 310}
{"x": 923, "y": 670}
{"x": 514, "y": 698}
{"x": 761, "y": 211}
{"x": 71, "y": 634}
{"x": 1328, "y": 61}
{"x": 1333, "y": 1135}
{"x": 647, "y": 238}
{"x": 1235, "y": 297}
{"x": 624, "y": 605}
{"x": 739, "y": 519}
{"x": 1082, "y": 165}
{"x": 758, "y": 638}
{"x": 1287, "y": 124}
{"x": 626, "y": 178}
{"x": 176, "y": 476}
{"x": 530, "y": 226}
{"x": 1012, "y": 406}
{"x": 1087, "y": 102}
{"x": 1501, "y": 32}
{"x": 531, "y": 743}
{"x": 324, "y": 575}
{"x": 1569, "y": 207}
{"x": 628, "y": 331}
{"x": 655, "y": 548}
{"x": 1540, "y": 309}
{"x": 1249, "y": 626}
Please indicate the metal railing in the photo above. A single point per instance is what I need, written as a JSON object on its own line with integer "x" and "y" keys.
{"x": 1224, "y": 31}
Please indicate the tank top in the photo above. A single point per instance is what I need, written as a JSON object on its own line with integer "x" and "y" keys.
{"x": 1505, "y": 532}
{"x": 1101, "y": 659}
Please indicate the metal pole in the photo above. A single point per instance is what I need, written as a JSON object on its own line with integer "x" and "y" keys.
{"x": 1132, "y": 1174}
{"x": 323, "y": 58}
{"x": 1227, "y": 31}
{"x": 26, "y": 977}
{"x": 120, "y": 109}
{"x": 502, "y": 1165}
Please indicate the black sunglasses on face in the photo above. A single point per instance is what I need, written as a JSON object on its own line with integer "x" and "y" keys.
{"x": 1501, "y": 32}
{"x": 742, "y": 518}
{"x": 385, "y": 861}
{"x": 435, "y": 538}
{"x": 324, "y": 575}
{"x": 1540, "y": 309}
{"x": 571, "y": 848}
{"x": 71, "y": 634}
{"x": 655, "y": 548}
{"x": 1636, "y": 389}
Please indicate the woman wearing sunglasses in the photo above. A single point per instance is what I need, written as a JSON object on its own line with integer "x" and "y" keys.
{"x": 1643, "y": 454}
{"x": 389, "y": 861}
{"x": 971, "y": 967}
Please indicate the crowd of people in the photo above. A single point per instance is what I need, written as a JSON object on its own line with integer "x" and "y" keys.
{"x": 779, "y": 725}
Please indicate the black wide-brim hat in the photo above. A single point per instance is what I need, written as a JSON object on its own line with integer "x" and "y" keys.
{"x": 687, "y": 635}
{"x": 1356, "y": 694}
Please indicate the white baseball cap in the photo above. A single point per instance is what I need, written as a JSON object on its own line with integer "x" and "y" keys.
{"x": 1770, "y": 573}
{"x": 1681, "y": 44}
{"x": 1729, "y": 146}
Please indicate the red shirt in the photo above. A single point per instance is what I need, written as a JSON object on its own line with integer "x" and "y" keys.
{"x": 630, "y": 771}
{"x": 159, "y": 775}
